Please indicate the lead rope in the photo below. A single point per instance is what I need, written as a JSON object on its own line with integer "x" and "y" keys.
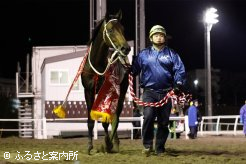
{"x": 182, "y": 98}
{"x": 80, "y": 70}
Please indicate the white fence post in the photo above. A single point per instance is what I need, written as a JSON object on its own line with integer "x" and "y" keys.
{"x": 235, "y": 125}
{"x": 44, "y": 128}
{"x": 95, "y": 130}
{"x": 201, "y": 127}
{"x": 187, "y": 129}
{"x": 217, "y": 125}
{"x": 141, "y": 123}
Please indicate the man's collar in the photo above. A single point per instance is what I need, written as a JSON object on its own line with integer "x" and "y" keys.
{"x": 153, "y": 48}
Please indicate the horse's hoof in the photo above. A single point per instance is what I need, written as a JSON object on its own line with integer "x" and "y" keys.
{"x": 109, "y": 148}
{"x": 102, "y": 149}
{"x": 89, "y": 148}
{"x": 116, "y": 148}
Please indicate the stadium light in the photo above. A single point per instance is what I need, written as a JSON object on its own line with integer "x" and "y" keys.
{"x": 195, "y": 82}
{"x": 210, "y": 18}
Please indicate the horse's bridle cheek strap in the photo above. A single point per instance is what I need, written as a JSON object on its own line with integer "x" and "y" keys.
{"x": 105, "y": 32}
{"x": 120, "y": 55}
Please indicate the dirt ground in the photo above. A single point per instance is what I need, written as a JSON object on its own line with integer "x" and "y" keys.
{"x": 204, "y": 149}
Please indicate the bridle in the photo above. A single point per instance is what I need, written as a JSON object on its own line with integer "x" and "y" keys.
{"x": 121, "y": 56}
{"x": 105, "y": 33}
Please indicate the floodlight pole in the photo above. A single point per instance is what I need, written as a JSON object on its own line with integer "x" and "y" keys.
{"x": 208, "y": 96}
{"x": 210, "y": 18}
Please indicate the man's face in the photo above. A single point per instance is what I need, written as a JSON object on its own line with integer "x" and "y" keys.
{"x": 158, "y": 39}
{"x": 196, "y": 104}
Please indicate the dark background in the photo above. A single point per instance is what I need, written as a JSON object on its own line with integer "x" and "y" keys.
{"x": 28, "y": 23}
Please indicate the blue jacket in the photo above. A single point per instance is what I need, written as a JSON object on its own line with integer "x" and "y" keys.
{"x": 243, "y": 114}
{"x": 192, "y": 116}
{"x": 159, "y": 69}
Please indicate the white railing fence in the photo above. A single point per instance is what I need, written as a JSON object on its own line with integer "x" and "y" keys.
{"x": 223, "y": 124}
{"x": 126, "y": 124}
{"x": 82, "y": 127}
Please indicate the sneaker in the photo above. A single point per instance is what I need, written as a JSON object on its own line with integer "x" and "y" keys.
{"x": 146, "y": 152}
{"x": 160, "y": 154}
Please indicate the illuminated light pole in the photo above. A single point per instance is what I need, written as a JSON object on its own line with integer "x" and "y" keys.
{"x": 210, "y": 18}
{"x": 195, "y": 82}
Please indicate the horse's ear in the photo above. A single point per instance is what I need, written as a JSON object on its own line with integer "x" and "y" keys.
{"x": 116, "y": 16}
{"x": 107, "y": 17}
{"x": 119, "y": 15}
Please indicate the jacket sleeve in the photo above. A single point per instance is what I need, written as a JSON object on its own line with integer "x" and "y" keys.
{"x": 242, "y": 113}
{"x": 178, "y": 70}
{"x": 136, "y": 65}
{"x": 199, "y": 116}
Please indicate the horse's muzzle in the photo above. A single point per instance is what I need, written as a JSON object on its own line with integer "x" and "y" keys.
{"x": 125, "y": 49}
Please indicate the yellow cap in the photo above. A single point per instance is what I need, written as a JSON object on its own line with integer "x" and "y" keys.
{"x": 191, "y": 103}
{"x": 157, "y": 29}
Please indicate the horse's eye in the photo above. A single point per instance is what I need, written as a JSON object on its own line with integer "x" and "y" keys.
{"x": 110, "y": 30}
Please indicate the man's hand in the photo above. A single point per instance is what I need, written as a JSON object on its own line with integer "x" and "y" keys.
{"x": 178, "y": 89}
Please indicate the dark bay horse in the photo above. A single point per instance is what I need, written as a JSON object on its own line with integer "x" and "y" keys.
{"x": 108, "y": 36}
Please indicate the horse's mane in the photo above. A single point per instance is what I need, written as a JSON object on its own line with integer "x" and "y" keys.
{"x": 96, "y": 31}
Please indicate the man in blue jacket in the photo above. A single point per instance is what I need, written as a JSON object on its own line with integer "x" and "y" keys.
{"x": 193, "y": 118}
{"x": 243, "y": 117}
{"x": 160, "y": 69}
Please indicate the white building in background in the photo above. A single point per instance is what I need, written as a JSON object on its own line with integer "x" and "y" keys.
{"x": 53, "y": 71}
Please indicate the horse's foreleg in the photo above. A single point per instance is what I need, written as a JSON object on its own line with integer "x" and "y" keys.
{"x": 114, "y": 135}
{"x": 90, "y": 124}
{"x": 108, "y": 143}
{"x": 115, "y": 122}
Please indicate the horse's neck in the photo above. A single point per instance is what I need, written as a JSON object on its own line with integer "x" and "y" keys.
{"x": 99, "y": 50}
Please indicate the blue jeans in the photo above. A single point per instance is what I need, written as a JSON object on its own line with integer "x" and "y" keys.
{"x": 193, "y": 132}
{"x": 162, "y": 114}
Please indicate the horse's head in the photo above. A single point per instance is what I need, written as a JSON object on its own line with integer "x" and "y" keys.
{"x": 113, "y": 34}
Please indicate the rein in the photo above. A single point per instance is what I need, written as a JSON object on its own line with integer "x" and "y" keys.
{"x": 179, "y": 99}
{"x": 80, "y": 70}
{"x": 110, "y": 61}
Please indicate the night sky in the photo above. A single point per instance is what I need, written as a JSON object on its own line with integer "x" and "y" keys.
{"x": 27, "y": 23}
